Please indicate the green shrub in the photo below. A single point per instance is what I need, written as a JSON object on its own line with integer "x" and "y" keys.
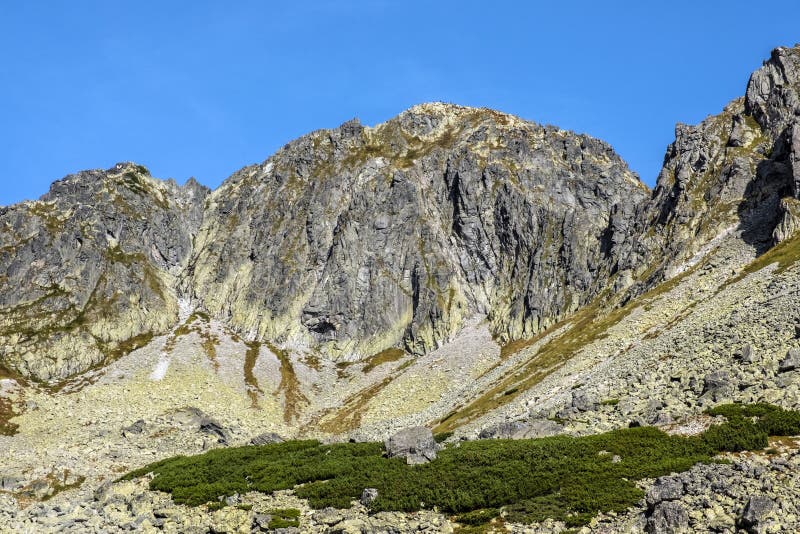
{"x": 441, "y": 437}
{"x": 478, "y": 517}
{"x": 284, "y": 518}
{"x": 771, "y": 420}
{"x": 565, "y": 478}
{"x": 736, "y": 435}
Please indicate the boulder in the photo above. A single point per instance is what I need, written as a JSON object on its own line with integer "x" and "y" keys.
{"x": 746, "y": 354}
{"x": 664, "y": 489}
{"x": 261, "y": 522}
{"x": 584, "y": 402}
{"x": 415, "y": 444}
{"x": 368, "y": 496}
{"x": 718, "y": 385}
{"x": 267, "y": 438}
{"x": 136, "y": 428}
{"x": 212, "y": 427}
{"x": 330, "y": 516}
{"x": 790, "y": 362}
{"x": 668, "y": 517}
{"x": 755, "y": 513}
{"x": 197, "y": 419}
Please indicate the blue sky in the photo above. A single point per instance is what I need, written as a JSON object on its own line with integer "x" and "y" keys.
{"x": 203, "y": 88}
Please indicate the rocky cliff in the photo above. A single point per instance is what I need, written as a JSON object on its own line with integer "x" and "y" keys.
{"x": 348, "y": 241}
{"x": 351, "y": 241}
{"x": 737, "y": 170}
{"x": 88, "y": 270}
{"x": 358, "y": 239}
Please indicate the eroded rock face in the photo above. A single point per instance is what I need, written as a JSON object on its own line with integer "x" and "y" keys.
{"x": 359, "y": 239}
{"x": 355, "y": 240}
{"x": 88, "y": 270}
{"x": 735, "y": 171}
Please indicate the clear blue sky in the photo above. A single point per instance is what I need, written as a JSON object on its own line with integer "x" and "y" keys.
{"x": 200, "y": 88}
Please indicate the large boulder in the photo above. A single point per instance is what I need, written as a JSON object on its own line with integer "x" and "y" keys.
{"x": 746, "y": 354}
{"x": 755, "y": 513}
{"x": 664, "y": 489}
{"x": 790, "y": 362}
{"x": 668, "y": 517}
{"x": 415, "y": 444}
{"x": 584, "y": 402}
{"x": 718, "y": 385}
{"x": 267, "y": 438}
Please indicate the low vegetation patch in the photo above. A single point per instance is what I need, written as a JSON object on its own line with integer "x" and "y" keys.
{"x": 385, "y": 356}
{"x": 284, "y": 518}
{"x": 565, "y": 478}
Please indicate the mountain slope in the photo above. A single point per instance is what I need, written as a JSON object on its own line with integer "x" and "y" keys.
{"x": 358, "y": 239}
{"x": 534, "y": 286}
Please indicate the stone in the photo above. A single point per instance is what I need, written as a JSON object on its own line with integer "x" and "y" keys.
{"x": 790, "y": 362}
{"x": 198, "y": 420}
{"x": 668, "y": 517}
{"x": 10, "y": 483}
{"x": 136, "y": 428}
{"x": 667, "y": 488}
{"x": 746, "y": 354}
{"x": 262, "y": 521}
{"x": 331, "y": 516}
{"x": 266, "y": 438}
{"x": 213, "y": 427}
{"x": 415, "y": 444}
{"x": 755, "y": 513}
{"x": 584, "y": 402}
{"x": 718, "y": 385}
{"x": 368, "y": 496}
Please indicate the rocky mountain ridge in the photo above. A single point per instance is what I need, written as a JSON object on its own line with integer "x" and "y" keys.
{"x": 455, "y": 268}
{"x": 357, "y": 240}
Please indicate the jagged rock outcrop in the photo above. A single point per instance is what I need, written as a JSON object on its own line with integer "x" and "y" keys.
{"x": 88, "y": 270}
{"x": 358, "y": 239}
{"x": 738, "y": 170}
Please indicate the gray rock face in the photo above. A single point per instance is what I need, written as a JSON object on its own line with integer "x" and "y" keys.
{"x": 738, "y": 170}
{"x": 354, "y": 240}
{"x": 87, "y": 270}
{"x": 358, "y": 239}
{"x": 415, "y": 444}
